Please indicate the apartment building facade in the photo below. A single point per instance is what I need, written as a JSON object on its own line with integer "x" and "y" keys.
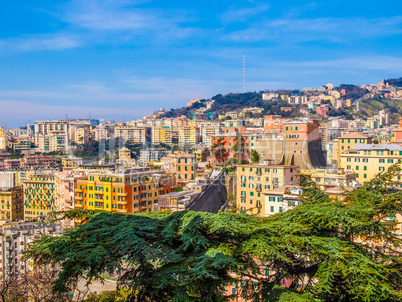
{"x": 39, "y": 197}
{"x": 367, "y": 160}
{"x": 129, "y": 192}
{"x": 253, "y": 180}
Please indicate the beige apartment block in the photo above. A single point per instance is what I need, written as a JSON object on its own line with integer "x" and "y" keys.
{"x": 368, "y": 160}
{"x": 253, "y": 180}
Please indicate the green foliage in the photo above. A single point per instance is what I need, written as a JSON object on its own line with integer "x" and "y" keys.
{"x": 118, "y": 295}
{"x": 370, "y": 107}
{"x": 255, "y": 156}
{"x": 179, "y": 189}
{"x": 190, "y": 256}
{"x": 88, "y": 150}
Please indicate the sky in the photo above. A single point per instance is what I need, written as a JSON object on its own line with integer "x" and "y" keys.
{"x": 123, "y": 59}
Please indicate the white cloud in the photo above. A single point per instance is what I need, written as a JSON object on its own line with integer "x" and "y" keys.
{"x": 41, "y": 42}
{"x": 341, "y": 30}
{"x": 243, "y": 14}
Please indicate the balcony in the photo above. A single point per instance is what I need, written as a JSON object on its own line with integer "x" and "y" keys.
{"x": 79, "y": 197}
{"x": 79, "y": 190}
{"x": 121, "y": 210}
{"x": 121, "y": 202}
{"x": 258, "y": 189}
{"x": 243, "y": 195}
{"x": 79, "y": 206}
{"x": 122, "y": 194}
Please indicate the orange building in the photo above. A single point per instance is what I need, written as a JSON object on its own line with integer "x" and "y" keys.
{"x": 398, "y": 133}
{"x": 301, "y": 131}
{"x": 230, "y": 145}
{"x": 273, "y": 123}
{"x": 182, "y": 165}
{"x": 129, "y": 192}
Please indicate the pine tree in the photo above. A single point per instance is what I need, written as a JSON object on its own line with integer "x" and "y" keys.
{"x": 326, "y": 250}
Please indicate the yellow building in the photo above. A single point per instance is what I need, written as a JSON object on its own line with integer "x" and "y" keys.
{"x": 124, "y": 153}
{"x": 12, "y": 207}
{"x": 81, "y": 135}
{"x": 38, "y": 197}
{"x": 161, "y": 134}
{"x": 188, "y": 135}
{"x": 330, "y": 177}
{"x": 26, "y": 173}
{"x": 372, "y": 123}
{"x": 71, "y": 162}
{"x": 368, "y": 160}
{"x": 252, "y": 180}
{"x": 347, "y": 141}
{"x": 129, "y": 192}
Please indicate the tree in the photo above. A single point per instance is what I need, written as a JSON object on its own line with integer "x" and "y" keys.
{"x": 324, "y": 250}
{"x": 255, "y": 156}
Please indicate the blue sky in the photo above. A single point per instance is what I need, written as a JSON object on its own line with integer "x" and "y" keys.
{"x": 122, "y": 59}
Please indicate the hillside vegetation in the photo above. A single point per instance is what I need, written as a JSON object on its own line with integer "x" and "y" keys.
{"x": 371, "y": 107}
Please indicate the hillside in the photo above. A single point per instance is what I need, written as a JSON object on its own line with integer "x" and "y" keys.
{"x": 234, "y": 101}
{"x": 395, "y": 82}
{"x": 370, "y": 107}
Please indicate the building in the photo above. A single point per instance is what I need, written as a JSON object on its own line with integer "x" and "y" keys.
{"x": 161, "y": 134}
{"x": 22, "y": 144}
{"x": 43, "y": 128}
{"x": 188, "y": 135}
{"x": 182, "y": 165}
{"x": 347, "y": 141}
{"x": 15, "y": 239}
{"x": 302, "y": 144}
{"x": 175, "y": 201}
{"x": 55, "y": 140}
{"x": 367, "y": 160}
{"x": 207, "y": 132}
{"x": 231, "y": 145}
{"x": 39, "y": 195}
{"x": 281, "y": 199}
{"x": 152, "y": 155}
{"x": 38, "y": 161}
{"x": 322, "y": 110}
{"x": 326, "y": 178}
{"x": 81, "y": 135}
{"x": 252, "y": 180}
{"x": 127, "y": 192}
{"x": 71, "y": 162}
{"x": 11, "y": 198}
{"x": 132, "y": 134}
{"x": 64, "y": 192}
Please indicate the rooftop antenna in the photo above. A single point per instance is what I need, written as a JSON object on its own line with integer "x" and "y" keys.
{"x": 244, "y": 72}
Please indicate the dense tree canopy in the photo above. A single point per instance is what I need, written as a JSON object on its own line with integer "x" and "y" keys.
{"x": 316, "y": 248}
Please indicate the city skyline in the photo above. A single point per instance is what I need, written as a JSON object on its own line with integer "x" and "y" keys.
{"x": 124, "y": 59}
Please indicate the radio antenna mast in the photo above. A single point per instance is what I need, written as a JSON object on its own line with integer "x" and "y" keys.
{"x": 244, "y": 72}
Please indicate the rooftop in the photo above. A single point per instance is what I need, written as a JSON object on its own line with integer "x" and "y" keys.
{"x": 354, "y": 135}
{"x": 370, "y": 147}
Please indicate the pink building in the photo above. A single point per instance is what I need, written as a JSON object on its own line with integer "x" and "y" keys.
{"x": 322, "y": 110}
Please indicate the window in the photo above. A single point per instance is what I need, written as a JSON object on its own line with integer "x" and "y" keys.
{"x": 365, "y": 168}
{"x": 381, "y": 168}
{"x": 272, "y": 209}
{"x": 364, "y": 175}
{"x": 280, "y": 209}
{"x": 357, "y": 167}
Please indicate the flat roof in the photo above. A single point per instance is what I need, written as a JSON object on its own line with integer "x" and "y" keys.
{"x": 371, "y": 147}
